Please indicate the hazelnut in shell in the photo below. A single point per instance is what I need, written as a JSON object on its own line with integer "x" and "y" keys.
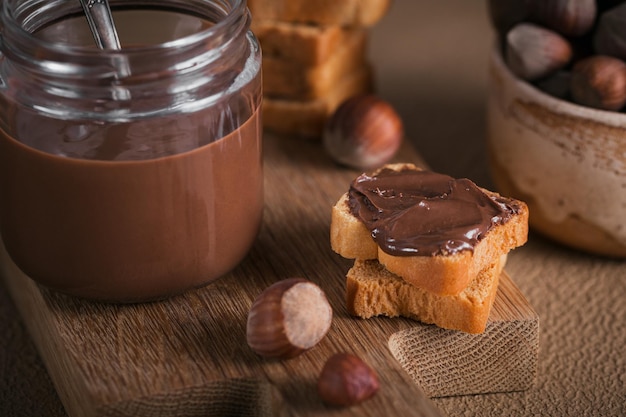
{"x": 534, "y": 52}
{"x": 568, "y": 17}
{"x": 599, "y": 81}
{"x": 364, "y": 132}
{"x": 288, "y": 318}
{"x": 346, "y": 380}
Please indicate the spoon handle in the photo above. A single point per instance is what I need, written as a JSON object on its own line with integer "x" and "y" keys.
{"x": 100, "y": 21}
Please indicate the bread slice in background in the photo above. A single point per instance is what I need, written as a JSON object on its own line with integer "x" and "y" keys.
{"x": 371, "y": 290}
{"x": 289, "y": 79}
{"x": 360, "y": 13}
{"x": 439, "y": 274}
{"x": 306, "y": 118}
{"x": 301, "y": 44}
{"x": 309, "y": 67}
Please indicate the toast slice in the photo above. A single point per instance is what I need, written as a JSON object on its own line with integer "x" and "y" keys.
{"x": 306, "y": 118}
{"x": 371, "y": 290}
{"x": 288, "y": 79}
{"x": 354, "y": 13}
{"x": 441, "y": 274}
{"x": 304, "y": 45}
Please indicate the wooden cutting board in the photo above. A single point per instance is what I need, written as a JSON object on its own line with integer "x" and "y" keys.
{"x": 187, "y": 356}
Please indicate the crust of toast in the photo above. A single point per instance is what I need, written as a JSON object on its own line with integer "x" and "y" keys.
{"x": 306, "y": 118}
{"x": 288, "y": 79}
{"x": 439, "y": 274}
{"x": 354, "y": 13}
{"x": 304, "y": 45}
{"x": 371, "y": 290}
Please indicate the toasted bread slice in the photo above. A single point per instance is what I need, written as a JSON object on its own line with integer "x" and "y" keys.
{"x": 304, "y": 45}
{"x": 371, "y": 290}
{"x": 288, "y": 79}
{"x": 306, "y": 118}
{"x": 360, "y": 13}
{"x": 440, "y": 274}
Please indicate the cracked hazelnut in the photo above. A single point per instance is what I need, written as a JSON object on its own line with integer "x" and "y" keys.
{"x": 346, "y": 380}
{"x": 533, "y": 52}
{"x": 363, "y": 133}
{"x": 288, "y": 318}
{"x": 599, "y": 82}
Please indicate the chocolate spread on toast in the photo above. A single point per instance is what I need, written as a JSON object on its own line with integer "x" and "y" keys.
{"x": 412, "y": 212}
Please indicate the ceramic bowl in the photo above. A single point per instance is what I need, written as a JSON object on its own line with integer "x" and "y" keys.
{"x": 567, "y": 162}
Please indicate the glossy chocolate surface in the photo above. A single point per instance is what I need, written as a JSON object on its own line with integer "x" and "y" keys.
{"x": 411, "y": 212}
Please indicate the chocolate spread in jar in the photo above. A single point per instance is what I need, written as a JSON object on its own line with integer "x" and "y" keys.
{"x": 135, "y": 229}
{"x": 411, "y": 212}
{"x": 135, "y": 174}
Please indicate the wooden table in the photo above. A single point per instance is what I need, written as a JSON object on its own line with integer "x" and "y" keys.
{"x": 431, "y": 60}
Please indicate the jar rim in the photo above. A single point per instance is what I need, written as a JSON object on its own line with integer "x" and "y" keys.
{"x": 197, "y": 69}
{"x": 233, "y": 11}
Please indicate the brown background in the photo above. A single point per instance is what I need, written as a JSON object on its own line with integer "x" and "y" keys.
{"x": 431, "y": 59}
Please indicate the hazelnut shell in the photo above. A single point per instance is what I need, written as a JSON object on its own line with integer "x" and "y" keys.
{"x": 364, "y": 132}
{"x": 599, "y": 82}
{"x": 346, "y": 380}
{"x": 568, "y": 17}
{"x": 288, "y": 318}
{"x": 534, "y": 52}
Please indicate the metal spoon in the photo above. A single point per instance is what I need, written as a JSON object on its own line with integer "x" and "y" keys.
{"x": 101, "y": 23}
{"x": 100, "y": 20}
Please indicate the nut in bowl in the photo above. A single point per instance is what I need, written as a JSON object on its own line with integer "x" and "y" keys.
{"x": 566, "y": 161}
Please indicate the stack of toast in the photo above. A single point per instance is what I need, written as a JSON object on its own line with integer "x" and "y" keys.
{"x": 451, "y": 289}
{"x": 314, "y": 57}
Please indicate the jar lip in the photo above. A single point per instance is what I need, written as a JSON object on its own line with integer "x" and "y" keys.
{"x": 238, "y": 8}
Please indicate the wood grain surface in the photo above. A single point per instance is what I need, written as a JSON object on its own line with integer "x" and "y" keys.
{"x": 188, "y": 355}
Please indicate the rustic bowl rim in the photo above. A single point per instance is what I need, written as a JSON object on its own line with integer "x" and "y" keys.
{"x": 555, "y": 104}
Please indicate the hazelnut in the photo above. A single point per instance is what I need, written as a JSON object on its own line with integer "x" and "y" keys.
{"x": 610, "y": 34}
{"x": 568, "y": 17}
{"x": 533, "y": 52}
{"x": 288, "y": 318}
{"x": 599, "y": 82}
{"x": 364, "y": 132}
{"x": 346, "y": 380}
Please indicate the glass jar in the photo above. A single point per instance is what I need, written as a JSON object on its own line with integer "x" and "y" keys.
{"x": 135, "y": 174}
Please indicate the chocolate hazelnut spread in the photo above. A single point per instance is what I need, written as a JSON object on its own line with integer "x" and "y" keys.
{"x": 131, "y": 174}
{"x": 129, "y": 230}
{"x": 412, "y": 212}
